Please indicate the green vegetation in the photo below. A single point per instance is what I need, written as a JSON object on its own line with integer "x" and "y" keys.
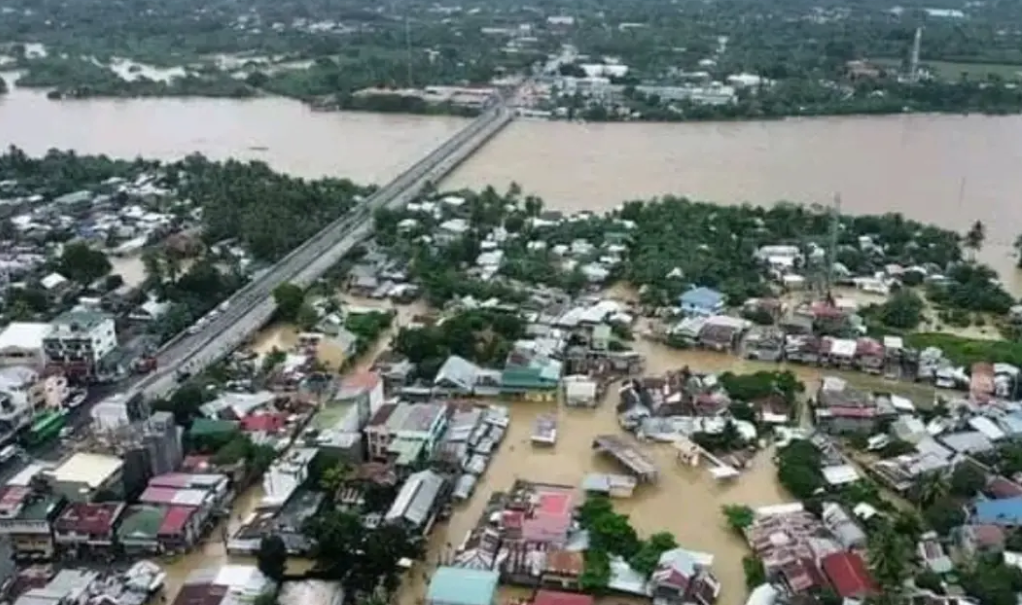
{"x": 992, "y": 582}
{"x": 755, "y": 573}
{"x": 368, "y": 327}
{"x": 481, "y": 336}
{"x": 902, "y": 311}
{"x": 80, "y": 263}
{"x": 967, "y": 351}
{"x": 678, "y": 233}
{"x": 272, "y": 557}
{"x": 365, "y": 561}
{"x": 610, "y": 534}
{"x": 889, "y": 557}
{"x": 82, "y": 79}
{"x": 763, "y": 384}
{"x": 798, "y": 469}
{"x": 738, "y": 517}
{"x": 290, "y": 299}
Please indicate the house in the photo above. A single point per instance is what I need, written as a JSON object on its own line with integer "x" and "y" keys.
{"x": 843, "y": 526}
{"x": 789, "y": 543}
{"x": 21, "y": 343}
{"x": 226, "y": 585}
{"x": 563, "y": 568}
{"x": 84, "y": 475}
{"x": 419, "y": 501}
{"x": 601, "y": 337}
{"x": 556, "y": 597}
{"x": 531, "y": 376}
{"x": 461, "y": 586}
{"x": 406, "y": 432}
{"x": 848, "y": 575}
{"x": 25, "y": 517}
{"x": 702, "y": 302}
{"x": 1004, "y": 513}
{"x": 615, "y": 486}
{"x": 83, "y": 527}
{"x": 721, "y": 332}
{"x": 682, "y": 577}
{"x": 137, "y": 533}
{"x": 931, "y": 553}
{"x": 975, "y": 540}
{"x": 536, "y": 520}
{"x": 77, "y": 341}
{"x": 460, "y": 376}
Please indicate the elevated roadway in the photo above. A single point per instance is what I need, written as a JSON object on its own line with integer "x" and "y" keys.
{"x": 252, "y": 306}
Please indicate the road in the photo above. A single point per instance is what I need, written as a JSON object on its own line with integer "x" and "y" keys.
{"x": 250, "y": 308}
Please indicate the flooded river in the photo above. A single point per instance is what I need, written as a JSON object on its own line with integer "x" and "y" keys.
{"x": 947, "y": 169}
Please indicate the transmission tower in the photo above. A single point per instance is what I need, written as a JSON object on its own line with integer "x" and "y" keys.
{"x": 913, "y": 62}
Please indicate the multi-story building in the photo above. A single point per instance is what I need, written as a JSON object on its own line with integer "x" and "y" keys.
{"x": 84, "y": 527}
{"x": 406, "y": 432}
{"x": 21, "y": 343}
{"x": 77, "y": 341}
{"x": 25, "y": 518}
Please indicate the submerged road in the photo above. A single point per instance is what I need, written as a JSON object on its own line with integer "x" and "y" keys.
{"x": 252, "y": 306}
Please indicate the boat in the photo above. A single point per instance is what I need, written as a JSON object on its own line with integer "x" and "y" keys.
{"x": 544, "y": 430}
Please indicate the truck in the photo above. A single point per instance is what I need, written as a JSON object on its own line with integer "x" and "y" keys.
{"x": 145, "y": 364}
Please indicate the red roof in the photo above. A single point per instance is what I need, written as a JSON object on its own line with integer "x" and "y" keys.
{"x": 847, "y": 573}
{"x": 159, "y": 495}
{"x": 556, "y": 597}
{"x": 264, "y": 423}
{"x": 175, "y": 519}
{"x": 88, "y": 518}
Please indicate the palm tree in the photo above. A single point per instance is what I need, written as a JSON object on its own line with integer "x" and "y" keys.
{"x": 974, "y": 238}
{"x": 1018, "y": 250}
{"x": 930, "y": 489}
{"x": 888, "y": 556}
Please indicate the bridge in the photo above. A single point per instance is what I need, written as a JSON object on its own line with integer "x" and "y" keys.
{"x": 251, "y": 307}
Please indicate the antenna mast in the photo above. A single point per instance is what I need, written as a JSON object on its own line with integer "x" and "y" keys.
{"x": 913, "y": 64}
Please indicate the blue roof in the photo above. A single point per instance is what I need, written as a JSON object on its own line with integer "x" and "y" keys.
{"x": 461, "y": 586}
{"x": 1006, "y": 511}
{"x": 707, "y": 298}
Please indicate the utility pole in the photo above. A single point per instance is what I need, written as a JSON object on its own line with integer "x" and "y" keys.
{"x": 408, "y": 49}
{"x": 913, "y": 62}
{"x": 835, "y": 224}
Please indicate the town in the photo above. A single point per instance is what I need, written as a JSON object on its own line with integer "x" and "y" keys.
{"x": 488, "y": 402}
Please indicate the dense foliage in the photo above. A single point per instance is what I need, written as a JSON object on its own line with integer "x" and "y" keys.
{"x": 798, "y": 469}
{"x": 715, "y": 245}
{"x": 483, "y": 337}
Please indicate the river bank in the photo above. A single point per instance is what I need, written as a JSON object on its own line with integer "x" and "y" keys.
{"x": 949, "y": 170}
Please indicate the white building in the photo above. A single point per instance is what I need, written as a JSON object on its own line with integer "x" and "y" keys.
{"x": 285, "y": 476}
{"x": 77, "y": 340}
{"x": 21, "y": 343}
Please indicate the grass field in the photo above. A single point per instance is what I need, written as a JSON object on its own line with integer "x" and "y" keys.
{"x": 952, "y": 71}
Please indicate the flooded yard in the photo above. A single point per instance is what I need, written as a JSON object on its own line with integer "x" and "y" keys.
{"x": 685, "y": 501}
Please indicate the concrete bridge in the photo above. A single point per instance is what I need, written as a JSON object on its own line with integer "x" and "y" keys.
{"x": 252, "y": 306}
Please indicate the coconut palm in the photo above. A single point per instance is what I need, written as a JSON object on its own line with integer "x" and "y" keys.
{"x": 888, "y": 557}
{"x": 930, "y": 489}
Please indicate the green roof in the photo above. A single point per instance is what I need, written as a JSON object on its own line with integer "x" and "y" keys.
{"x": 204, "y": 427}
{"x": 462, "y": 586}
{"x": 41, "y": 508}
{"x": 141, "y": 522}
{"x": 518, "y": 377}
{"x": 407, "y": 450}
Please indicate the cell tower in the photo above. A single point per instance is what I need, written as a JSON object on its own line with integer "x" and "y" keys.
{"x": 913, "y": 62}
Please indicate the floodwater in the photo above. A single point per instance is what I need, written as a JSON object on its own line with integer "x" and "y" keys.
{"x": 368, "y": 148}
{"x": 685, "y": 501}
{"x": 946, "y": 169}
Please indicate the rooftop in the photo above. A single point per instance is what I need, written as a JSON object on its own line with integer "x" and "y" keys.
{"x": 89, "y": 518}
{"x": 74, "y": 322}
{"x": 556, "y": 597}
{"x": 459, "y": 586}
{"x": 141, "y": 522}
{"x": 415, "y": 417}
{"x": 23, "y": 335}
{"x": 88, "y": 468}
{"x": 17, "y": 502}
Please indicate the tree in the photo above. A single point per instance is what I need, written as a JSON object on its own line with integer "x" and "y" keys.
{"x": 289, "y": 299}
{"x": 1018, "y": 251}
{"x": 272, "y": 557}
{"x": 646, "y": 560}
{"x": 80, "y": 263}
{"x": 755, "y": 572}
{"x": 967, "y": 481}
{"x": 930, "y": 489}
{"x": 798, "y": 469}
{"x": 903, "y": 310}
{"x": 975, "y": 237}
{"x": 333, "y": 477}
{"x": 944, "y": 515}
{"x": 738, "y": 517}
{"x": 889, "y": 555}
{"x": 307, "y": 317}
